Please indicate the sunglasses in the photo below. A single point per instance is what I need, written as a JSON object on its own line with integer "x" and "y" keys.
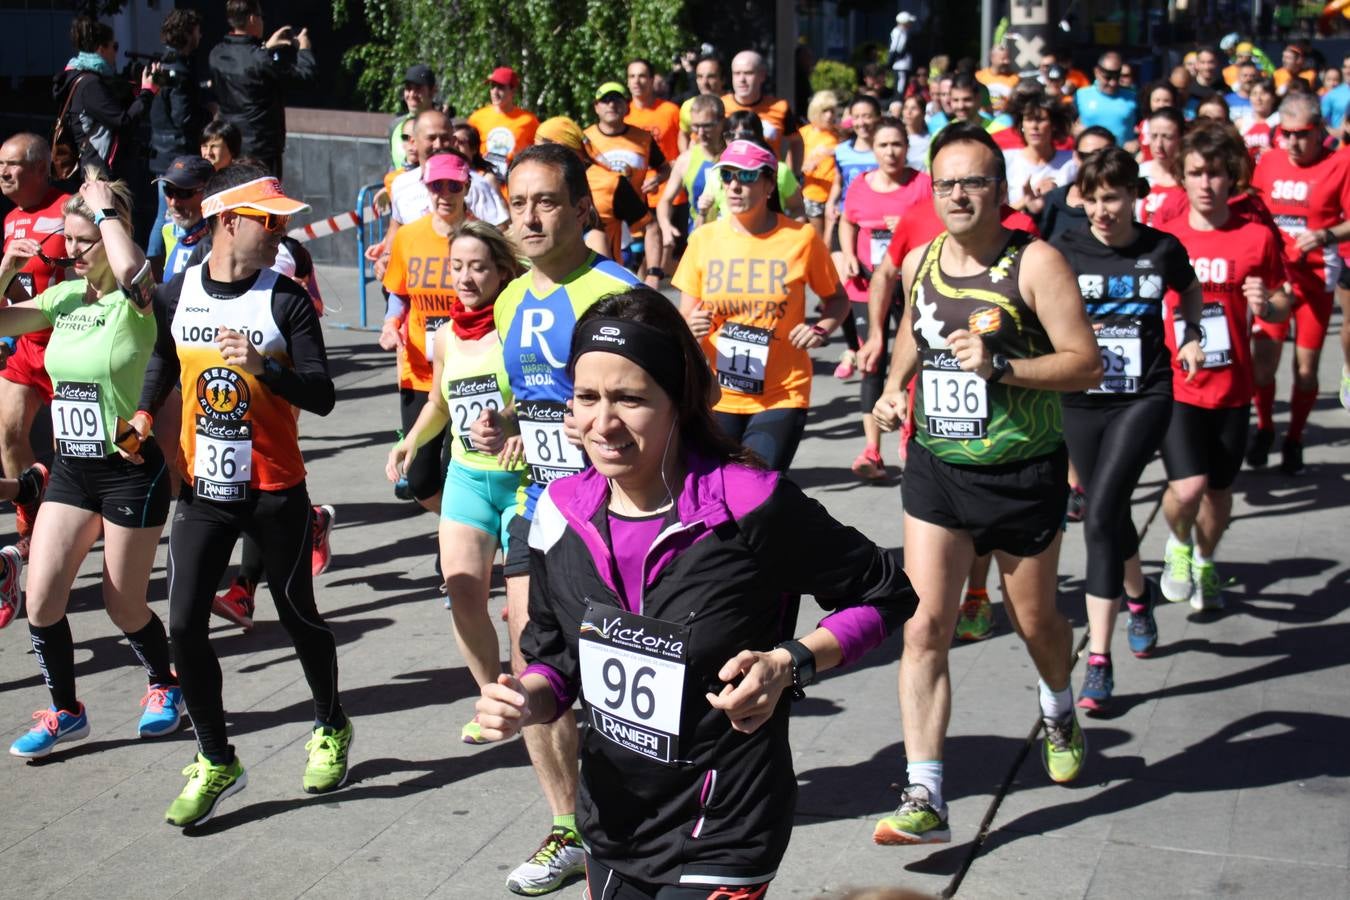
{"x": 445, "y": 186}
{"x": 975, "y": 184}
{"x": 1305, "y": 131}
{"x": 405, "y": 136}
{"x": 180, "y": 193}
{"x": 1109, "y": 74}
{"x": 269, "y": 221}
{"x": 744, "y": 176}
{"x": 65, "y": 262}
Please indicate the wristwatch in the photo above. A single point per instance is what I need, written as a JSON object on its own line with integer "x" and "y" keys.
{"x": 803, "y": 666}
{"x": 1000, "y": 367}
{"x": 104, "y": 214}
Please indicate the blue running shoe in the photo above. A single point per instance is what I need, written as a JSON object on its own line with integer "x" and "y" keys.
{"x": 164, "y": 708}
{"x": 53, "y": 726}
{"x": 1098, "y": 683}
{"x": 1142, "y": 629}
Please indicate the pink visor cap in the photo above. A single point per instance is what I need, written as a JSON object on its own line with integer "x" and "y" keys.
{"x": 445, "y": 167}
{"x": 746, "y": 155}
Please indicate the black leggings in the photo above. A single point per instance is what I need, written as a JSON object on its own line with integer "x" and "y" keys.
{"x": 1110, "y": 445}
{"x": 869, "y": 390}
{"x": 603, "y": 883}
{"x": 773, "y": 434}
{"x": 426, "y": 475}
{"x": 203, "y": 537}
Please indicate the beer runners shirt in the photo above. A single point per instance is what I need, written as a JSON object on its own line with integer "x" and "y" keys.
{"x": 1222, "y": 259}
{"x": 774, "y": 114}
{"x": 536, "y": 341}
{"x": 755, "y": 287}
{"x": 632, "y": 153}
{"x": 419, "y": 272}
{"x": 239, "y": 431}
{"x": 504, "y": 134}
{"x": 96, "y": 358}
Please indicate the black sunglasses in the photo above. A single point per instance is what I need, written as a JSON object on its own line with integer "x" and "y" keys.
{"x": 65, "y": 262}
{"x": 178, "y": 193}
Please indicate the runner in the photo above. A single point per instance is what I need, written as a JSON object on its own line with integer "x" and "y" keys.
{"x": 1237, "y": 259}
{"x": 421, "y": 299}
{"x": 106, "y": 479}
{"x": 535, "y": 316}
{"x": 1063, "y": 207}
{"x": 27, "y": 488}
{"x": 33, "y": 231}
{"x": 687, "y": 777}
{"x": 692, "y": 171}
{"x": 874, "y": 206}
{"x": 506, "y": 128}
{"x": 1307, "y": 189}
{"x": 661, "y": 119}
{"x": 1039, "y": 167}
{"x": 1114, "y": 430}
{"x": 748, "y": 77}
{"x": 1259, "y": 125}
{"x": 615, "y": 203}
{"x": 419, "y": 93}
{"x": 708, "y": 80}
{"x": 852, "y": 158}
{"x": 746, "y": 126}
{"x": 742, "y": 289}
{"x": 819, "y": 138}
{"x": 239, "y": 457}
{"x": 479, "y": 500}
{"x": 1343, "y": 298}
{"x": 995, "y": 327}
{"x": 1165, "y": 128}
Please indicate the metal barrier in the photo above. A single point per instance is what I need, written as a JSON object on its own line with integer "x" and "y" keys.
{"x": 370, "y": 233}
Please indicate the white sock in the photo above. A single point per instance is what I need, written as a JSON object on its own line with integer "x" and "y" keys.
{"x": 1173, "y": 541}
{"x": 928, "y": 774}
{"x": 1199, "y": 559}
{"x": 1055, "y": 704}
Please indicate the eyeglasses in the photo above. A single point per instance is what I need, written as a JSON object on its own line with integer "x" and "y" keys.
{"x": 702, "y": 126}
{"x": 445, "y": 186}
{"x": 744, "y": 176}
{"x": 1108, "y": 74}
{"x": 269, "y": 221}
{"x": 175, "y": 193}
{"x": 974, "y": 184}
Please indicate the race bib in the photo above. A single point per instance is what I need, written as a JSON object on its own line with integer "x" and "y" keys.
{"x": 77, "y": 420}
{"x": 632, "y": 680}
{"x": 1292, "y": 225}
{"x": 223, "y": 461}
{"x": 430, "y": 344}
{"x": 880, "y": 244}
{"x": 742, "y": 357}
{"x": 1121, "y": 351}
{"x": 548, "y": 453}
{"x": 955, "y": 403}
{"x": 468, "y": 397}
{"x": 1214, "y": 337}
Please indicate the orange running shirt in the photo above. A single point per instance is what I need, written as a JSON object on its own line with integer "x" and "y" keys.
{"x": 419, "y": 271}
{"x": 755, "y": 286}
{"x": 504, "y": 135}
{"x": 818, "y": 169}
{"x": 774, "y": 113}
{"x": 662, "y": 122}
{"x": 631, "y": 153}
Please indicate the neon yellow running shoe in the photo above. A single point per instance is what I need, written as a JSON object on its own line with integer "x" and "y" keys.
{"x": 208, "y": 784}
{"x": 916, "y": 821}
{"x": 1064, "y": 749}
{"x": 327, "y": 767}
{"x": 977, "y": 617}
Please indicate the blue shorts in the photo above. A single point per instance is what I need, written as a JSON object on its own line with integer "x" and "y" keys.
{"x": 480, "y": 499}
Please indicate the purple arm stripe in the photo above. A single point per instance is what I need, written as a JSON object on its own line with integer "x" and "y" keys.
{"x": 857, "y": 628}
{"x": 563, "y": 695}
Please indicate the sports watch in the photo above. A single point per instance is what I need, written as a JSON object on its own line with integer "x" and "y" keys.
{"x": 104, "y": 214}
{"x": 803, "y": 666}
{"x": 1000, "y": 366}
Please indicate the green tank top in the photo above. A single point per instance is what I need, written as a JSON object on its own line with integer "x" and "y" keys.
{"x": 96, "y": 359}
{"x": 961, "y": 418}
{"x": 473, "y": 379}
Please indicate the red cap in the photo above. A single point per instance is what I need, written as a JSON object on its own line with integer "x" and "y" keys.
{"x": 505, "y": 76}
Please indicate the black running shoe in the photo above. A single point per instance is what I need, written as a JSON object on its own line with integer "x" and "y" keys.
{"x": 1258, "y": 448}
{"x": 1291, "y": 457}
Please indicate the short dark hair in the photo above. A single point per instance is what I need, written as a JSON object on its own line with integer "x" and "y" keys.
{"x": 712, "y": 58}
{"x": 872, "y": 70}
{"x": 227, "y": 132}
{"x": 87, "y": 34}
{"x": 1110, "y": 167}
{"x": 651, "y": 70}
{"x": 966, "y": 83}
{"x": 746, "y": 120}
{"x": 564, "y": 160}
{"x": 233, "y": 175}
{"x": 892, "y": 122}
{"x": 1216, "y": 143}
{"x": 1039, "y": 101}
{"x": 237, "y": 12}
{"x": 1097, "y": 131}
{"x": 866, "y": 99}
{"x": 967, "y": 133}
{"x": 1171, "y": 114}
{"x": 1142, "y": 110}
{"x": 176, "y": 30}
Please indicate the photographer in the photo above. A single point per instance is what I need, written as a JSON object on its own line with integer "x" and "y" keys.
{"x": 248, "y": 76}
{"x": 177, "y": 113}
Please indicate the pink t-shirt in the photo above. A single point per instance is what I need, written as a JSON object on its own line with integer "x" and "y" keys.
{"x": 877, "y": 214}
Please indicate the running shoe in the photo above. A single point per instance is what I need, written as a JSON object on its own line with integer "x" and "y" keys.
{"x": 868, "y": 466}
{"x": 1063, "y": 749}
{"x": 236, "y": 604}
{"x": 847, "y": 364}
{"x": 1098, "y": 683}
{"x": 1176, "y": 580}
{"x": 326, "y": 769}
{"x": 472, "y": 733}
{"x": 1208, "y": 593}
{"x": 54, "y": 726}
{"x": 164, "y": 709}
{"x": 26, "y": 514}
{"x": 1258, "y": 448}
{"x": 558, "y": 859}
{"x": 915, "y": 821}
{"x": 977, "y": 617}
{"x": 1345, "y": 390}
{"x": 1077, "y": 504}
{"x": 11, "y": 594}
{"x": 323, "y": 527}
{"x": 1142, "y": 628}
{"x": 208, "y": 784}
{"x": 1291, "y": 457}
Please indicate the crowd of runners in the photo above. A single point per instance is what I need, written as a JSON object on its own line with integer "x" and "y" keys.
{"x": 1041, "y": 279}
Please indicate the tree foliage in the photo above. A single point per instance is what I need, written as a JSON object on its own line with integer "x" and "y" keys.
{"x": 563, "y": 49}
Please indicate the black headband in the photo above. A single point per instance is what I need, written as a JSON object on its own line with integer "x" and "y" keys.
{"x": 651, "y": 348}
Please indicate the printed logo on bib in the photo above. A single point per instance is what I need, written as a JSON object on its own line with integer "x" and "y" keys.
{"x": 77, "y": 420}
{"x": 223, "y": 460}
{"x": 548, "y": 453}
{"x": 632, "y": 679}
{"x": 1121, "y": 351}
{"x": 1214, "y": 337}
{"x": 1292, "y": 225}
{"x": 468, "y": 397}
{"x": 26, "y": 279}
{"x": 433, "y": 323}
{"x": 955, "y": 403}
{"x": 881, "y": 242}
{"x": 742, "y": 356}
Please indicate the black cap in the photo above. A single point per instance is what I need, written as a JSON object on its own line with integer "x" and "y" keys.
{"x": 188, "y": 172}
{"x": 1054, "y": 73}
{"x": 420, "y": 75}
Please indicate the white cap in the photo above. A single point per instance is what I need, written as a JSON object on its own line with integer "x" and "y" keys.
{"x": 905, "y": 18}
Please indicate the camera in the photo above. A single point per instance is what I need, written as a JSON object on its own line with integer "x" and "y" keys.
{"x": 138, "y": 62}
